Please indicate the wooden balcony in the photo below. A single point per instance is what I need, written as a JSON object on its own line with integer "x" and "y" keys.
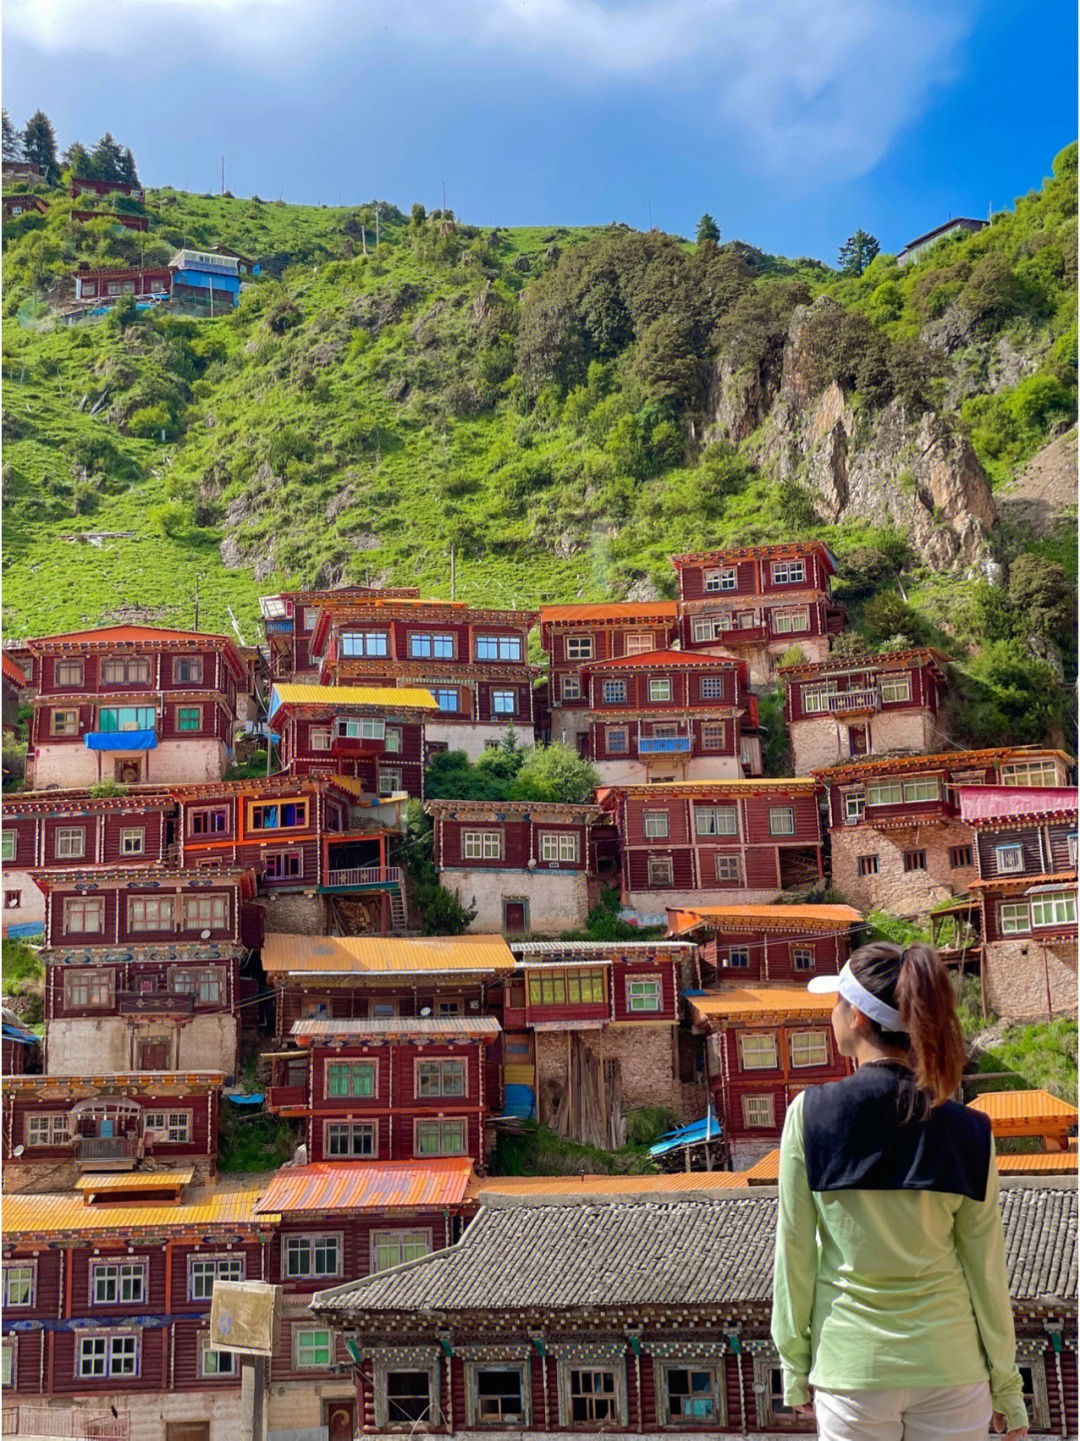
{"x": 663, "y": 745}
{"x": 155, "y": 1003}
{"x": 852, "y": 702}
{"x": 106, "y": 1153}
{"x": 366, "y": 878}
{"x": 286, "y": 1099}
{"x": 79, "y": 1423}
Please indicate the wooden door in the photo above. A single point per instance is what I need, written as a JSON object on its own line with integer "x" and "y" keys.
{"x": 859, "y": 740}
{"x": 153, "y": 1054}
{"x": 187, "y": 1431}
{"x": 340, "y": 1419}
{"x": 515, "y": 918}
{"x": 128, "y": 772}
{"x": 583, "y": 745}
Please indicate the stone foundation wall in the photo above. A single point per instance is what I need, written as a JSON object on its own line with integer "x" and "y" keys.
{"x": 648, "y": 1063}
{"x": 823, "y": 740}
{"x": 1023, "y": 977}
{"x": 173, "y": 762}
{"x": 31, "y": 907}
{"x": 473, "y": 739}
{"x": 84, "y": 1046}
{"x": 296, "y": 914}
{"x": 558, "y": 900}
{"x": 903, "y": 893}
{"x": 22, "y": 1177}
{"x": 650, "y": 904}
{"x": 634, "y": 772}
{"x": 744, "y": 1153}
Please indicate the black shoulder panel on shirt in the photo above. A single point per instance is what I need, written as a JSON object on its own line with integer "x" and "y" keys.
{"x": 855, "y": 1137}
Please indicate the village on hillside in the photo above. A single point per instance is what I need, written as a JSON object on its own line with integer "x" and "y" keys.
{"x": 218, "y": 853}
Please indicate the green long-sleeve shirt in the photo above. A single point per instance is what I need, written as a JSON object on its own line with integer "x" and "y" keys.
{"x": 876, "y": 1290}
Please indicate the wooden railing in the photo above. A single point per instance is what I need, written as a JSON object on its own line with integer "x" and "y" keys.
{"x": 366, "y": 876}
{"x": 285, "y": 1097}
{"x": 105, "y": 1148}
{"x": 77, "y": 1422}
{"x": 853, "y": 700}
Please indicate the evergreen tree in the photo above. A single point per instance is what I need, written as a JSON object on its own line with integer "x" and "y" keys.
{"x": 12, "y": 139}
{"x": 857, "y": 252}
{"x": 39, "y": 144}
{"x": 106, "y": 159}
{"x": 708, "y": 230}
{"x": 76, "y": 159}
{"x": 129, "y": 174}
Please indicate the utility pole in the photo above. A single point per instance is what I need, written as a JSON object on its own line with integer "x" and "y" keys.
{"x": 453, "y": 571}
{"x": 196, "y": 625}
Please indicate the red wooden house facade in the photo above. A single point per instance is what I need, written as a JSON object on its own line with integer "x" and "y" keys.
{"x": 81, "y": 185}
{"x": 133, "y": 704}
{"x": 751, "y": 945}
{"x": 849, "y": 706}
{"x": 526, "y": 866}
{"x": 758, "y": 601}
{"x": 106, "y": 285}
{"x": 289, "y": 621}
{"x": 140, "y": 223}
{"x": 692, "y": 843}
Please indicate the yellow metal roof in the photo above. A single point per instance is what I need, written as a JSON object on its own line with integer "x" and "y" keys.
{"x": 768, "y": 1002}
{"x": 230, "y": 1201}
{"x": 1023, "y": 1106}
{"x": 385, "y": 955}
{"x": 135, "y": 1180}
{"x": 403, "y": 697}
{"x": 766, "y": 1170}
{"x": 686, "y": 918}
{"x": 686, "y": 1181}
{"x": 1038, "y": 1163}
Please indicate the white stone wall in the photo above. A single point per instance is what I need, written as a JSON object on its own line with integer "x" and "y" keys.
{"x": 567, "y": 725}
{"x": 634, "y": 772}
{"x": 558, "y": 900}
{"x": 648, "y": 1061}
{"x": 173, "y": 761}
{"x": 32, "y": 909}
{"x": 823, "y": 740}
{"x": 473, "y": 739}
{"x": 651, "y": 904}
{"x": 1024, "y": 977}
{"x": 93, "y": 1045}
{"x": 297, "y": 1406}
{"x": 903, "y": 893}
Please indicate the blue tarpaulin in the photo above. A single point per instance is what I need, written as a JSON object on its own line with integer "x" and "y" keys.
{"x": 24, "y": 929}
{"x": 695, "y": 1134}
{"x": 120, "y": 740}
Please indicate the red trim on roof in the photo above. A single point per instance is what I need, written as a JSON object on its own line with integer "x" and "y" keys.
{"x": 986, "y": 804}
{"x": 668, "y": 658}
{"x": 11, "y": 670}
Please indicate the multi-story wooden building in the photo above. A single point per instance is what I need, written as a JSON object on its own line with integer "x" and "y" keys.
{"x": 133, "y": 704}
{"x": 1025, "y": 849}
{"x": 527, "y": 866}
{"x": 757, "y": 602}
{"x": 374, "y": 734}
{"x": 474, "y": 661}
{"x": 668, "y": 715}
{"x": 863, "y": 705}
{"x": 577, "y": 635}
{"x": 752, "y": 945}
{"x": 899, "y": 842}
{"x": 765, "y": 1044}
{"x": 616, "y": 1325}
{"x": 398, "y": 1088}
{"x": 591, "y": 1033}
{"x": 692, "y": 843}
{"x": 289, "y": 621}
{"x": 58, "y": 1128}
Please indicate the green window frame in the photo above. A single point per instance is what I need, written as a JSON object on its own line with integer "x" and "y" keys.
{"x": 350, "y": 1078}
{"x": 189, "y": 718}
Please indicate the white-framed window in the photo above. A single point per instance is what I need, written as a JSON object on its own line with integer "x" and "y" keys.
{"x": 591, "y": 1397}
{"x": 215, "y": 1364}
{"x": 655, "y": 824}
{"x": 125, "y": 670}
{"x": 202, "y": 912}
{"x": 790, "y": 622}
{"x": 725, "y": 579}
{"x": 727, "y": 867}
{"x": 70, "y": 843}
{"x": 613, "y": 692}
{"x": 925, "y": 788}
{"x": 114, "y": 1354}
{"x": 1031, "y": 773}
{"x": 497, "y": 1394}
{"x": 365, "y": 643}
{"x": 759, "y": 1112}
{"x": 896, "y": 687}
{"x": 578, "y": 647}
{"x": 504, "y": 702}
{"x": 1009, "y": 858}
{"x": 1014, "y": 918}
{"x": 351, "y": 1078}
{"x": 803, "y": 958}
{"x": 617, "y": 740}
{"x": 884, "y": 793}
{"x": 659, "y": 688}
{"x": 320, "y": 738}
{"x": 712, "y": 687}
{"x": 64, "y": 722}
{"x": 133, "y": 841}
{"x": 394, "y": 1248}
{"x": 816, "y": 698}
{"x": 781, "y": 820}
{"x": 309, "y": 617}
{"x": 639, "y": 642}
{"x": 1056, "y": 908}
{"x": 705, "y": 628}
{"x": 788, "y": 572}
{"x": 661, "y": 871}
{"x": 571, "y": 687}
{"x": 759, "y": 1052}
{"x": 7, "y": 1361}
{"x": 431, "y": 645}
{"x": 447, "y": 698}
{"x": 441, "y": 1138}
{"x": 644, "y": 994}
{"x": 366, "y": 728}
{"x": 559, "y": 846}
{"x": 48, "y": 1129}
{"x": 690, "y": 1393}
{"x": 187, "y": 670}
{"x": 1070, "y": 841}
{"x": 114, "y": 719}
{"x": 84, "y": 915}
{"x": 498, "y": 647}
{"x": 315, "y": 1255}
{"x": 443, "y": 1077}
{"x": 150, "y": 913}
{"x": 393, "y": 740}
{"x": 117, "y": 1283}
{"x": 68, "y": 673}
{"x": 20, "y": 1284}
{"x": 389, "y": 780}
{"x": 312, "y": 1348}
{"x": 716, "y": 820}
{"x": 8, "y": 844}
{"x": 713, "y": 735}
{"x": 349, "y": 1139}
{"x": 482, "y": 845}
{"x": 854, "y": 807}
{"x": 809, "y": 1048}
{"x": 172, "y": 1127}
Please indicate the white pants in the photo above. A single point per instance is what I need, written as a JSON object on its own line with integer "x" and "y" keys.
{"x": 918, "y": 1413}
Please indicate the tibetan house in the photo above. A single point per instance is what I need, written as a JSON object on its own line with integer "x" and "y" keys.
{"x": 577, "y": 635}
{"x": 756, "y": 602}
{"x": 670, "y": 715}
{"x": 103, "y": 286}
{"x": 591, "y": 1033}
{"x": 764, "y": 1045}
{"x": 899, "y": 842}
{"x": 756, "y": 945}
{"x": 133, "y": 704}
{"x": 863, "y": 705}
{"x": 723, "y": 842}
{"x": 474, "y": 662}
{"x": 58, "y": 1128}
{"x": 289, "y": 623}
{"x": 397, "y": 1088}
{"x": 81, "y": 185}
{"x": 1025, "y": 847}
{"x": 613, "y": 1323}
{"x": 374, "y": 734}
{"x": 140, "y": 223}
{"x": 526, "y": 866}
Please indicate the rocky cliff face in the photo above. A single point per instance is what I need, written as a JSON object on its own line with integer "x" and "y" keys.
{"x": 916, "y": 473}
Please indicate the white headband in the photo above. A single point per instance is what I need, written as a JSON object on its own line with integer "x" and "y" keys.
{"x": 856, "y": 993}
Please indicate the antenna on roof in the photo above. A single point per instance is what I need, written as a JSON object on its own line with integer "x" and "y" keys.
{"x": 235, "y": 625}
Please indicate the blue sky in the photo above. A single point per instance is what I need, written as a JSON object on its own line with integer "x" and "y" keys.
{"x": 792, "y": 121}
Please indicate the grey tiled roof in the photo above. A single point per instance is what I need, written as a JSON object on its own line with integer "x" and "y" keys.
{"x": 521, "y": 1253}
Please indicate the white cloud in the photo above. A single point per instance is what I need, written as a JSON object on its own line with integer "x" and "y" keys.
{"x": 802, "y": 86}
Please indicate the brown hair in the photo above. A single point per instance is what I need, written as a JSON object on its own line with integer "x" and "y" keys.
{"x": 915, "y": 983}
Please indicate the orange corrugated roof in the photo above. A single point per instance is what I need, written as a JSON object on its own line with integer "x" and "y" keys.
{"x": 608, "y": 1185}
{"x": 129, "y": 632}
{"x": 366, "y": 1185}
{"x": 387, "y": 955}
{"x": 687, "y": 919}
{"x": 667, "y": 658}
{"x": 1028, "y": 882}
{"x": 1039, "y": 1163}
{"x": 1023, "y": 1106}
{"x": 610, "y": 610}
{"x": 943, "y": 760}
{"x": 747, "y": 1002}
{"x": 230, "y": 1200}
{"x": 767, "y": 1169}
{"x": 135, "y": 1180}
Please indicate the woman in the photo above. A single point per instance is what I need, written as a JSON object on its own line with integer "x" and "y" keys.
{"x": 890, "y": 1295}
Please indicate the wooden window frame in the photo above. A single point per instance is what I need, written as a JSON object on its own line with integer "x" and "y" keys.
{"x": 913, "y": 789}
{"x": 138, "y": 1268}
{"x": 389, "y": 780}
{"x": 771, "y": 1037}
{"x": 1068, "y": 898}
{"x": 110, "y": 1337}
{"x": 9, "y": 845}
{"x": 288, "y": 858}
{"x": 522, "y": 1370}
{"x": 325, "y": 736}
{"x": 656, "y": 985}
{"x": 388, "y": 1365}
{"x": 77, "y": 678}
{"x": 722, "y": 574}
{"x": 658, "y": 683}
{"x": 735, "y": 958}
{"x": 701, "y": 812}
{"x": 398, "y": 1235}
{"x": 788, "y": 572}
{"x": 54, "y": 1121}
{"x": 193, "y": 663}
{"x": 797, "y": 622}
{"x": 578, "y": 647}
{"x": 354, "y": 1063}
{"x": 610, "y": 744}
{"x": 203, "y": 813}
{"x": 513, "y": 644}
{"x": 420, "y": 1122}
{"x": 570, "y": 688}
{"x": 900, "y": 683}
{"x": 63, "y": 836}
{"x": 130, "y": 833}
{"x": 193, "y": 900}
{"x": 139, "y": 664}
{"x": 961, "y": 856}
{"x": 768, "y": 1417}
{"x": 875, "y": 790}
{"x": 368, "y": 648}
{"x": 98, "y": 904}
{"x": 368, "y": 1129}
{"x": 868, "y": 866}
{"x": 803, "y": 958}
{"x": 914, "y": 862}
{"x": 205, "y": 1348}
{"x": 162, "y": 902}
{"x": 301, "y": 804}
{"x": 612, "y": 691}
{"x": 99, "y": 979}
{"x": 298, "y": 1332}
{"x": 816, "y": 1033}
{"x": 560, "y": 841}
{"x": 312, "y": 1240}
{"x": 649, "y": 820}
{"x": 639, "y": 642}
{"x": 713, "y": 1364}
{"x": 1009, "y": 848}
{"x": 767, "y": 1098}
{"x": 780, "y": 811}
{"x": 10, "y": 1267}
{"x": 483, "y": 836}
{"x": 182, "y": 710}
{"x": 657, "y": 863}
{"x": 69, "y": 726}
{"x": 176, "y": 1118}
{"x": 441, "y": 1092}
{"x": 221, "y": 1262}
{"x": 617, "y": 1368}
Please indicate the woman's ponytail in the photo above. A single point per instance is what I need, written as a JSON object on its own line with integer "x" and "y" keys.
{"x": 927, "y": 1005}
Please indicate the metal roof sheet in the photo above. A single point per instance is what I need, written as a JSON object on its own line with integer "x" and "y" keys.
{"x": 1023, "y": 1106}
{"x": 401, "y": 697}
{"x": 110, "y": 633}
{"x": 885, "y": 660}
{"x": 230, "y": 1200}
{"x": 992, "y": 803}
{"x": 136, "y": 1180}
{"x": 668, "y": 658}
{"x": 674, "y": 1185}
{"x": 765, "y": 1170}
{"x": 783, "y": 917}
{"x": 386, "y": 955}
{"x": 939, "y": 760}
{"x": 747, "y": 1002}
{"x": 735, "y": 787}
{"x": 367, "y": 1185}
{"x": 1038, "y": 1163}
{"x": 610, "y": 610}
{"x": 399, "y": 1026}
